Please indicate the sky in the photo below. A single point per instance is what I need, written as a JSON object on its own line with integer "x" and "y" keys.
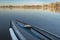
{"x": 19, "y": 2}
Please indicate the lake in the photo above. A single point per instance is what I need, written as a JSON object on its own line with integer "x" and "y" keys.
{"x": 47, "y": 20}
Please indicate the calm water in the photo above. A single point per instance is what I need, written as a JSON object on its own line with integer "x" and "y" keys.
{"x": 47, "y": 20}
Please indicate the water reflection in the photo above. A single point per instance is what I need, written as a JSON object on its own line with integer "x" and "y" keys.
{"x": 41, "y": 9}
{"x": 54, "y": 10}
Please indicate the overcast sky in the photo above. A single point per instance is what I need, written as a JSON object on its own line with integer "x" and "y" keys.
{"x": 27, "y": 1}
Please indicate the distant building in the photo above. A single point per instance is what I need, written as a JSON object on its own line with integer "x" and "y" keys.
{"x": 52, "y": 5}
{"x": 57, "y": 4}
